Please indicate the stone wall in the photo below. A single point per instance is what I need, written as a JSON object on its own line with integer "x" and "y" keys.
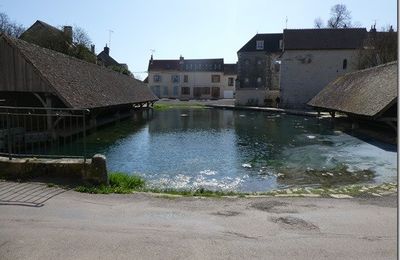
{"x": 92, "y": 171}
{"x": 305, "y": 73}
{"x": 258, "y": 76}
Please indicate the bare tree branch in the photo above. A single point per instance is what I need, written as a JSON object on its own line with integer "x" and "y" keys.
{"x": 9, "y": 27}
{"x": 80, "y": 37}
{"x": 318, "y": 22}
{"x": 340, "y": 17}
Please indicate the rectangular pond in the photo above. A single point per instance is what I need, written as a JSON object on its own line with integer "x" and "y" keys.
{"x": 242, "y": 151}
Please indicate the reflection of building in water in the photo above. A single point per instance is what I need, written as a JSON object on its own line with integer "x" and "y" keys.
{"x": 192, "y": 119}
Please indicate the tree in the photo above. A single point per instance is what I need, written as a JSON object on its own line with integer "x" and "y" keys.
{"x": 80, "y": 37}
{"x": 340, "y": 17}
{"x": 122, "y": 69}
{"x": 380, "y": 48}
{"x": 10, "y": 28}
{"x": 318, "y": 22}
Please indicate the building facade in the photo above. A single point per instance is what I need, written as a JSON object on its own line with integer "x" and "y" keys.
{"x": 192, "y": 78}
{"x": 312, "y": 58}
{"x": 258, "y": 71}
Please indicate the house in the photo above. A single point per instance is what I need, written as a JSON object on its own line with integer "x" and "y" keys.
{"x": 369, "y": 94}
{"x": 38, "y": 77}
{"x": 106, "y": 60}
{"x": 192, "y": 78}
{"x": 48, "y": 36}
{"x": 312, "y": 58}
{"x": 258, "y": 70}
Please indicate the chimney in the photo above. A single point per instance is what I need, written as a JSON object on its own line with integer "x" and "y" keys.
{"x": 68, "y": 33}
{"x": 92, "y": 48}
{"x": 373, "y": 29}
{"x": 181, "y": 58}
{"x": 391, "y": 29}
{"x": 151, "y": 59}
{"x": 107, "y": 50}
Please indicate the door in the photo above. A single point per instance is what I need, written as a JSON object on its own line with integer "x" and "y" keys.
{"x": 215, "y": 92}
{"x": 197, "y": 92}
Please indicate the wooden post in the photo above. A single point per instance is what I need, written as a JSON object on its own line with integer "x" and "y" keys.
{"x": 48, "y": 104}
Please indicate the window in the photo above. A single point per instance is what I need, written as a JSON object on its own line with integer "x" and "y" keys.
{"x": 165, "y": 91}
{"x": 186, "y": 78}
{"x": 345, "y": 64}
{"x": 246, "y": 81}
{"x": 157, "y": 78}
{"x": 259, "y": 62}
{"x": 185, "y": 91}
{"x": 259, "y": 45}
{"x": 175, "y": 78}
{"x": 215, "y": 78}
{"x": 156, "y": 90}
{"x": 231, "y": 81}
{"x": 175, "y": 91}
{"x": 259, "y": 80}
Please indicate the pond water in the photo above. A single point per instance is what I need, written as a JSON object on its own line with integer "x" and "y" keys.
{"x": 242, "y": 151}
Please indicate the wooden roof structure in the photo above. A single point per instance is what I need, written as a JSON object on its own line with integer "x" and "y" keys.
{"x": 25, "y": 67}
{"x": 367, "y": 93}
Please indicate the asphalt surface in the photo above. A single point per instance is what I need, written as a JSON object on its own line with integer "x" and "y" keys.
{"x": 39, "y": 222}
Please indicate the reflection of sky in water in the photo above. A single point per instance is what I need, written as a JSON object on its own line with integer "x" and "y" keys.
{"x": 223, "y": 149}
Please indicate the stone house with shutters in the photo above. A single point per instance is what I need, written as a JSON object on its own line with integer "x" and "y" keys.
{"x": 187, "y": 79}
{"x": 312, "y": 58}
{"x": 258, "y": 70}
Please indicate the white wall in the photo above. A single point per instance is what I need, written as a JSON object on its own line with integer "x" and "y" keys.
{"x": 195, "y": 79}
{"x": 305, "y": 73}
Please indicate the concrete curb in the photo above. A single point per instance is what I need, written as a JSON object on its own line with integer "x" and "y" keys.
{"x": 92, "y": 171}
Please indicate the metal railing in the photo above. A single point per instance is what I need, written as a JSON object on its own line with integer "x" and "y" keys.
{"x": 43, "y": 132}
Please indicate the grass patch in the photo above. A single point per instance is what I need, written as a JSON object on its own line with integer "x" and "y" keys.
{"x": 164, "y": 106}
{"x": 124, "y": 184}
{"x": 120, "y": 183}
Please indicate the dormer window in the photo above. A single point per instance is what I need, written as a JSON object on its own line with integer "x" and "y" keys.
{"x": 259, "y": 45}
{"x": 157, "y": 78}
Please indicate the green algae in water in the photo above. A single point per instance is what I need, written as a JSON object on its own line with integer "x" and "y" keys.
{"x": 339, "y": 175}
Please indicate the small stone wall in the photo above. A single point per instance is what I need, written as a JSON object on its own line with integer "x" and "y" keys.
{"x": 92, "y": 171}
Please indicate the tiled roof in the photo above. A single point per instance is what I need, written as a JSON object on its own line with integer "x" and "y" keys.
{"x": 107, "y": 59}
{"x": 187, "y": 65}
{"x": 230, "y": 69}
{"x": 327, "y": 38}
{"x": 164, "y": 65}
{"x": 366, "y": 92}
{"x": 80, "y": 84}
{"x": 271, "y": 43}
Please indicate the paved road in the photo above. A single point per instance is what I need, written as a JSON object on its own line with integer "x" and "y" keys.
{"x": 38, "y": 222}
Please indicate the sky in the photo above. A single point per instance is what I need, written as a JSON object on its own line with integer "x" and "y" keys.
{"x": 194, "y": 29}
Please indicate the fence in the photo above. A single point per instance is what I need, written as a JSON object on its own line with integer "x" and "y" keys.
{"x": 42, "y": 132}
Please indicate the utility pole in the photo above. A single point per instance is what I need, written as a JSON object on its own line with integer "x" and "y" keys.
{"x": 109, "y": 38}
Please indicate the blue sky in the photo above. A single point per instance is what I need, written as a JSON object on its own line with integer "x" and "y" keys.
{"x": 195, "y": 29}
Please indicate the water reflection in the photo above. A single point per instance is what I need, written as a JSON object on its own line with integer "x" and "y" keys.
{"x": 246, "y": 151}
